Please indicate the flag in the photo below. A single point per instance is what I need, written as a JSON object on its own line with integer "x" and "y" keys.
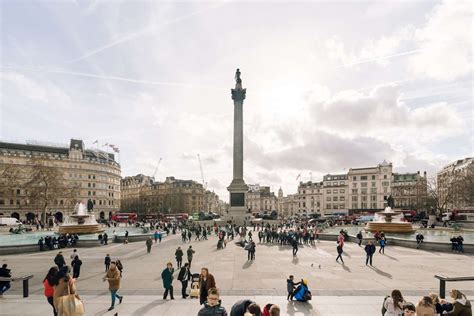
{"x": 299, "y": 176}
{"x": 96, "y": 142}
{"x": 116, "y": 150}
{"x": 106, "y": 144}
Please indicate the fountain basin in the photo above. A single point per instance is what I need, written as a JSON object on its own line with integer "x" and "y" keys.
{"x": 390, "y": 227}
{"x": 81, "y": 229}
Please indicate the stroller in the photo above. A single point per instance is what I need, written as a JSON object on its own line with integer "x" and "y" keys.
{"x": 194, "y": 286}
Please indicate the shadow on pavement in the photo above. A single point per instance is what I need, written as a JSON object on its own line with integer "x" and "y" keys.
{"x": 300, "y": 307}
{"x": 145, "y": 309}
{"x": 382, "y": 273}
{"x": 247, "y": 264}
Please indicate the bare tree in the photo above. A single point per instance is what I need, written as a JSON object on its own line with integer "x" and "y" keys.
{"x": 47, "y": 185}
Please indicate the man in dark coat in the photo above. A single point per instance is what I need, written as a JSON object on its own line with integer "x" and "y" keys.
{"x": 59, "y": 260}
{"x": 369, "y": 251}
{"x": 179, "y": 257}
{"x": 107, "y": 261}
{"x": 76, "y": 267}
{"x": 184, "y": 276}
{"x": 167, "y": 276}
{"x": 6, "y": 273}
{"x": 240, "y": 307}
{"x": 190, "y": 253}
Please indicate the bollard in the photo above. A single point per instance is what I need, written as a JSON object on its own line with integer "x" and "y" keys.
{"x": 25, "y": 287}
{"x": 442, "y": 288}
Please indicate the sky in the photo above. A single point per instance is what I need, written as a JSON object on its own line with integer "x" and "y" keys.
{"x": 330, "y": 85}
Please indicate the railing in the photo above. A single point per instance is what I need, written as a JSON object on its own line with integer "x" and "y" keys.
{"x": 443, "y": 279}
{"x": 25, "y": 279}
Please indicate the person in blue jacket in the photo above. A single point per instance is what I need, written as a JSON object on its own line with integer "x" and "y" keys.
{"x": 302, "y": 293}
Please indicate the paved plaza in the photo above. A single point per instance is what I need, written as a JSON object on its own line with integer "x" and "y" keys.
{"x": 350, "y": 289}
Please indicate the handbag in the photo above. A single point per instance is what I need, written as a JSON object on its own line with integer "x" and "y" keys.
{"x": 70, "y": 304}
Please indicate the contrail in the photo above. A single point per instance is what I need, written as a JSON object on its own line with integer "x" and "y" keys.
{"x": 369, "y": 60}
{"x": 105, "y": 77}
{"x": 130, "y": 36}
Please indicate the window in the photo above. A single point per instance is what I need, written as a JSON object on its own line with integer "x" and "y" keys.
{"x": 354, "y": 178}
{"x": 334, "y": 191}
{"x": 334, "y": 198}
{"x": 354, "y": 191}
{"x": 88, "y": 192}
{"x": 354, "y": 199}
{"x": 373, "y": 198}
{"x": 334, "y": 183}
{"x": 335, "y": 206}
{"x": 363, "y": 205}
{"x": 354, "y": 205}
{"x": 373, "y": 190}
{"x": 328, "y": 191}
{"x": 341, "y": 198}
{"x": 385, "y": 184}
{"x": 384, "y": 190}
{"x": 364, "y": 198}
{"x": 373, "y": 205}
{"x": 363, "y": 184}
{"x": 354, "y": 185}
{"x": 89, "y": 185}
{"x": 18, "y": 191}
{"x": 373, "y": 184}
{"x": 364, "y": 191}
{"x": 341, "y": 183}
{"x": 328, "y": 198}
{"x": 328, "y": 206}
{"x": 363, "y": 178}
{"x": 373, "y": 177}
{"x": 385, "y": 176}
{"x": 341, "y": 190}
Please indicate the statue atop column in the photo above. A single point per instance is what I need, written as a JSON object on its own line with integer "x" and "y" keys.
{"x": 238, "y": 81}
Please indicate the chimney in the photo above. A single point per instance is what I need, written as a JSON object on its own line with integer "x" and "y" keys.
{"x": 418, "y": 172}
{"x": 424, "y": 174}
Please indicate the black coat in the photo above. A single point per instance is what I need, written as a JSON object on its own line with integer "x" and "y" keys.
{"x": 59, "y": 260}
{"x": 6, "y": 273}
{"x": 240, "y": 307}
{"x": 182, "y": 271}
{"x": 369, "y": 249}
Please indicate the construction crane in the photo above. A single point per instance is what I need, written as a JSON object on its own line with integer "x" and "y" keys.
{"x": 202, "y": 173}
{"x": 156, "y": 169}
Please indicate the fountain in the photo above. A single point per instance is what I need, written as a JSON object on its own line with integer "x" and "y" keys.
{"x": 80, "y": 222}
{"x": 389, "y": 221}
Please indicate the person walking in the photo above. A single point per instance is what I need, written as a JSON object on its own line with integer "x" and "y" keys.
{"x": 369, "y": 251}
{"x": 76, "y": 267}
{"x": 212, "y": 307}
{"x": 48, "y": 284}
{"x": 206, "y": 282}
{"x": 252, "y": 250}
{"x": 74, "y": 254}
{"x": 184, "y": 276}
{"x": 167, "y": 276}
{"x": 63, "y": 285}
{"x": 294, "y": 243}
{"x": 339, "y": 252}
{"x": 190, "y": 252}
{"x": 149, "y": 243}
{"x": 290, "y": 287}
{"x": 113, "y": 277}
{"x": 179, "y": 257}
{"x": 156, "y": 236}
{"x": 159, "y": 237}
{"x": 107, "y": 261}
{"x": 59, "y": 260}
{"x": 359, "y": 237}
{"x": 4, "y": 273}
{"x": 382, "y": 245}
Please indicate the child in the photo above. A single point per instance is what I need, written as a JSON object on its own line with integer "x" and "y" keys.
{"x": 290, "y": 286}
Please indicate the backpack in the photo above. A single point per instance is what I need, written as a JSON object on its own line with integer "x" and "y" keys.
{"x": 383, "y": 305}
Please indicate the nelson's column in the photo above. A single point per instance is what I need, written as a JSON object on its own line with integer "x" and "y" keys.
{"x": 237, "y": 187}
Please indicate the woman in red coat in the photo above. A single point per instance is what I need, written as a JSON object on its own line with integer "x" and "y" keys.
{"x": 206, "y": 281}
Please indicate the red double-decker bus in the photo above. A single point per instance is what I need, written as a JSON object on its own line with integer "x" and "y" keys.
{"x": 124, "y": 217}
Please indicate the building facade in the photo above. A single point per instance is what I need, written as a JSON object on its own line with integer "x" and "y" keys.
{"x": 310, "y": 197}
{"x": 335, "y": 194}
{"x": 410, "y": 191}
{"x": 369, "y": 187}
{"x": 261, "y": 199}
{"x": 71, "y": 174}
{"x": 141, "y": 194}
{"x": 455, "y": 185}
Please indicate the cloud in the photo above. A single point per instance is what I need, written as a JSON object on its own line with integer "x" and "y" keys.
{"x": 445, "y": 42}
{"x": 380, "y": 114}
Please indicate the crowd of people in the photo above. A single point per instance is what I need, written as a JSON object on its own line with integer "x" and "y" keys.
{"x": 62, "y": 241}
{"x": 430, "y": 305}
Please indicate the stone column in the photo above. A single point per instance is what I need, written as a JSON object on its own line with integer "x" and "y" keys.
{"x": 237, "y": 188}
